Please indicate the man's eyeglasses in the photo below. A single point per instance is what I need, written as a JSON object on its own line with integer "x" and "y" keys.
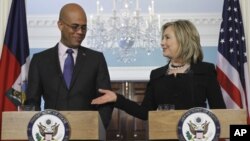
{"x": 76, "y": 27}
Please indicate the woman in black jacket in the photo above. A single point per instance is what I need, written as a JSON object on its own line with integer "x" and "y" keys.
{"x": 186, "y": 81}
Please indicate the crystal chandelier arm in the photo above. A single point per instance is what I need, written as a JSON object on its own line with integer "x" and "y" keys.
{"x": 126, "y": 31}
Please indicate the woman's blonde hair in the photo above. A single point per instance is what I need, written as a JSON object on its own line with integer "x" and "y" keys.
{"x": 189, "y": 40}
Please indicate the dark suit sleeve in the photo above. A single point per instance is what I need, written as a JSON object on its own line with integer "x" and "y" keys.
{"x": 214, "y": 95}
{"x": 133, "y": 108}
{"x": 34, "y": 89}
{"x": 103, "y": 81}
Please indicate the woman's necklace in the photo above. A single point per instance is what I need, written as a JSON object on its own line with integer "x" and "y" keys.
{"x": 173, "y": 69}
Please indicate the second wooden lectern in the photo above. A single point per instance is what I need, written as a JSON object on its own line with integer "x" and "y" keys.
{"x": 163, "y": 124}
{"x": 85, "y": 125}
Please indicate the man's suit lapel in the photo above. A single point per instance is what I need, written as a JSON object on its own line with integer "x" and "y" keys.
{"x": 57, "y": 66}
{"x": 80, "y": 61}
{"x": 56, "y": 59}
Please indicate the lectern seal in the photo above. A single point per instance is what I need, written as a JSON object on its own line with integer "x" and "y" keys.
{"x": 48, "y": 125}
{"x": 198, "y": 124}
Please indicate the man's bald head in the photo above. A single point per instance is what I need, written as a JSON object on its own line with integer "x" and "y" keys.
{"x": 67, "y": 9}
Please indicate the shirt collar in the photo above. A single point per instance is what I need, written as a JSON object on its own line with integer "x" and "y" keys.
{"x": 62, "y": 49}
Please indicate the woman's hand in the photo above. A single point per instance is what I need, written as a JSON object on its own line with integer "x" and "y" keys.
{"x": 108, "y": 96}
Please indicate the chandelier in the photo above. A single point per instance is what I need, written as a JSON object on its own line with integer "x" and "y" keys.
{"x": 126, "y": 31}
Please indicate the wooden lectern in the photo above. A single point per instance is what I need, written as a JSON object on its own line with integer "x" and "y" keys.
{"x": 163, "y": 124}
{"x": 85, "y": 125}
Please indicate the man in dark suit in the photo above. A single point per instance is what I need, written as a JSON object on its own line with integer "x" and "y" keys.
{"x": 89, "y": 73}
